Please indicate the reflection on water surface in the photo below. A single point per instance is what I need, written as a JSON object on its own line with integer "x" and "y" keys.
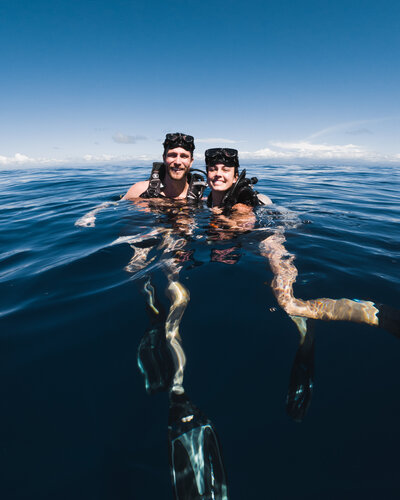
{"x": 79, "y": 421}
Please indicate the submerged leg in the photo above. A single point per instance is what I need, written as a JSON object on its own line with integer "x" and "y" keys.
{"x": 285, "y": 273}
{"x": 303, "y": 312}
{"x": 179, "y": 297}
{"x": 197, "y": 468}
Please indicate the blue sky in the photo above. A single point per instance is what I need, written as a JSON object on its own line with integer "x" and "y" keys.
{"x": 87, "y": 82}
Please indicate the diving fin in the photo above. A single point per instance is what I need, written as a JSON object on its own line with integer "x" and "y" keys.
{"x": 389, "y": 319}
{"x": 197, "y": 468}
{"x": 301, "y": 381}
{"x": 155, "y": 360}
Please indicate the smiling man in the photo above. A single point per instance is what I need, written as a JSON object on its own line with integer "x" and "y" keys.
{"x": 169, "y": 179}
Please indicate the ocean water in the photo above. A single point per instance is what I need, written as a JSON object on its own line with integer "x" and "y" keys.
{"x": 76, "y": 421}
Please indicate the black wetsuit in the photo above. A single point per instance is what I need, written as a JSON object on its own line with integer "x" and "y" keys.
{"x": 241, "y": 192}
{"x": 195, "y": 191}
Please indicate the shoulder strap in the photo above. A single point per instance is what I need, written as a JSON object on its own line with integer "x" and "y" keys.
{"x": 155, "y": 181}
{"x": 197, "y": 185}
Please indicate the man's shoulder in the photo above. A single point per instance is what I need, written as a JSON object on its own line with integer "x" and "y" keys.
{"x": 136, "y": 190}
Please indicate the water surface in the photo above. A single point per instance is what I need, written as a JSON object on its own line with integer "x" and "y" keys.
{"x": 76, "y": 420}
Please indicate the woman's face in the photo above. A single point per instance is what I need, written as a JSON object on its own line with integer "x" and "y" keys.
{"x": 220, "y": 177}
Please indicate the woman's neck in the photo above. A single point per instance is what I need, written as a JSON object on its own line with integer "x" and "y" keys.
{"x": 217, "y": 197}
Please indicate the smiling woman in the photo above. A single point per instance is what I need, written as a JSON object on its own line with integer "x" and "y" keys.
{"x": 220, "y": 179}
{"x": 229, "y": 189}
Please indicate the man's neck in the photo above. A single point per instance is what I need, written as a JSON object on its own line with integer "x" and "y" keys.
{"x": 175, "y": 189}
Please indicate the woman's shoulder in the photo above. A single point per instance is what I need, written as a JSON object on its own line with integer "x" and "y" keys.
{"x": 264, "y": 199}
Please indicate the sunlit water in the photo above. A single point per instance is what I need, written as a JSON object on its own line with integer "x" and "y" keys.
{"x": 76, "y": 421}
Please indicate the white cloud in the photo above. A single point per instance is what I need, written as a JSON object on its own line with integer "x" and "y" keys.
{"x": 308, "y": 149}
{"x": 115, "y": 159}
{"x": 127, "y": 139}
{"x": 96, "y": 158}
{"x": 91, "y": 159}
{"x": 18, "y": 159}
{"x": 305, "y": 150}
{"x": 281, "y": 152}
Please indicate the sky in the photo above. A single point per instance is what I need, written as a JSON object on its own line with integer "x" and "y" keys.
{"x": 86, "y": 82}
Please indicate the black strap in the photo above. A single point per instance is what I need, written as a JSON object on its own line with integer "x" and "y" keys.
{"x": 155, "y": 181}
{"x": 240, "y": 192}
{"x": 197, "y": 185}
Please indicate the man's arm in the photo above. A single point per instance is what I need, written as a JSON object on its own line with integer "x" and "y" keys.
{"x": 136, "y": 190}
{"x": 89, "y": 219}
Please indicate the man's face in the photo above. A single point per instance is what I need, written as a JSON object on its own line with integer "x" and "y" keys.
{"x": 178, "y": 162}
{"x": 220, "y": 177}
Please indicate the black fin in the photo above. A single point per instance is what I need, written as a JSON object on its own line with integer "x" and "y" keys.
{"x": 301, "y": 381}
{"x": 155, "y": 360}
{"x": 197, "y": 468}
{"x": 389, "y": 319}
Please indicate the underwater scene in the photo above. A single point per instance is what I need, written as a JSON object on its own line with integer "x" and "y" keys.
{"x": 148, "y": 351}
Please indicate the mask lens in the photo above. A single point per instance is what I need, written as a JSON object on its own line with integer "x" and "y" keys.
{"x": 212, "y": 153}
{"x": 230, "y": 153}
{"x": 188, "y": 138}
{"x": 227, "y": 156}
{"x": 179, "y": 140}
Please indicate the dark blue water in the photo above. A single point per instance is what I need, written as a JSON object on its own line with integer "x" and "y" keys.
{"x": 76, "y": 422}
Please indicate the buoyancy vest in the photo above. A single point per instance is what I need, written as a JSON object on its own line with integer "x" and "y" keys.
{"x": 196, "y": 181}
{"x": 241, "y": 192}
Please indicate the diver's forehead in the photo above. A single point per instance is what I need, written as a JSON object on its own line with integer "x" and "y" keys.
{"x": 220, "y": 165}
{"x": 178, "y": 150}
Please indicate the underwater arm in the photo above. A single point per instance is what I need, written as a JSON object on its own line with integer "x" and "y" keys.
{"x": 89, "y": 219}
{"x": 242, "y": 218}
